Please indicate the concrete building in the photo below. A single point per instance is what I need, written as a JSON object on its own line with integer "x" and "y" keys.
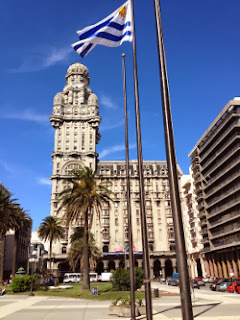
{"x": 216, "y": 171}
{"x": 192, "y": 229}
{"x": 76, "y": 120}
{"x": 22, "y": 247}
{"x": 37, "y": 248}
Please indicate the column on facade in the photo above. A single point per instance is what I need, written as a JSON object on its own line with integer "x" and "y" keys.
{"x": 151, "y": 268}
{"x": 211, "y": 268}
{"x": 234, "y": 264}
{"x": 215, "y": 268}
{"x": 229, "y": 265}
{"x": 203, "y": 266}
{"x": 238, "y": 261}
{"x": 140, "y": 263}
{"x": 105, "y": 265}
{"x": 116, "y": 264}
{"x": 163, "y": 268}
{"x": 224, "y": 267}
{"x": 206, "y": 263}
{"x": 219, "y": 266}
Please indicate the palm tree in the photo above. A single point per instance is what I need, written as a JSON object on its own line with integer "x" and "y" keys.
{"x": 8, "y": 209}
{"x": 50, "y": 229}
{"x": 76, "y": 248}
{"x": 81, "y": 200}
{"x": 21, "y": 221}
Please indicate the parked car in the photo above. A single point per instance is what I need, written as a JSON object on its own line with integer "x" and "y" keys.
{"x": 200, "y": 281}
{"x": 228, "y": 282}
{"x": 231, "y": 287}
{"x": 169, "y": 281}
{"x": 237, "y": 287}
{"x": 174, "y": 282}
{"x": 214, "y": 285}
{"x": 195, "y": 284}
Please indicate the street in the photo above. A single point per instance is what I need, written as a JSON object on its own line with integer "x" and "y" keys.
{"x": 207, "y": 305}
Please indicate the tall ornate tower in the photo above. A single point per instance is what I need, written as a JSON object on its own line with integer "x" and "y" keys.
{"x": 76, "y": 120}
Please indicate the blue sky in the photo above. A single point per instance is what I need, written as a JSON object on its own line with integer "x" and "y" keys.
{"x": 202, "y": 50}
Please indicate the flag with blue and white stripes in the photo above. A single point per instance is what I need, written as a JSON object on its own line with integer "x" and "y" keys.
{"x": 110, "y": 32}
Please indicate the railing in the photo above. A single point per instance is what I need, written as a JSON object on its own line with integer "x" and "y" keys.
{"x": 221, "y": 161}
{"x": 226, "y": 194}
{"x": 226, "y": 181}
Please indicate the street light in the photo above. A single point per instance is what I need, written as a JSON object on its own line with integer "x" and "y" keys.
{"x": 33, "y": 258}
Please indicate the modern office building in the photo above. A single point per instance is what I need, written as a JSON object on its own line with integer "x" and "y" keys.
{"x": 76, "y": 120}
{"x": 216, "y": 172}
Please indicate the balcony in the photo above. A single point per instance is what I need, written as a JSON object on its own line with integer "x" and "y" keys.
{"x": 200, "y": 195}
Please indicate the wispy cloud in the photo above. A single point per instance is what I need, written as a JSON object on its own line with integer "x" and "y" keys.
{"x": 113, "y": 126}
{"x": 26, "y": 115}
{"x": 44, "y": 181}
{"x": 107, "y": 102}
{"x": 7, "y": 167}
{"x": 42, "y": 59}
{"x": 115, "y": 148}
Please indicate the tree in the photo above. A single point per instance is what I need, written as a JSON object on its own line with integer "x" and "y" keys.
{"x": 21, "y": 220}
{"x": 8, "y": 209}
{"x": 81, "y": 200}
{"x": 50, "y": 229}
{"x": 76, "y": 248}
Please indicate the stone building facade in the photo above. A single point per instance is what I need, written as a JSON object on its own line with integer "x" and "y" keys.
{"x": 76, "y": 120}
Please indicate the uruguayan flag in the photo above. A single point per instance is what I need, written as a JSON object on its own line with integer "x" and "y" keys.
{"x": 110, "y": 32}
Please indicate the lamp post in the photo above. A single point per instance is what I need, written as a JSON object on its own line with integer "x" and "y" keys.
{"x": 33, "y": 258}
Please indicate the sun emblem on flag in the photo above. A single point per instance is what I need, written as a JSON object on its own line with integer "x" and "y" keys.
{"x": 122, "y": 12}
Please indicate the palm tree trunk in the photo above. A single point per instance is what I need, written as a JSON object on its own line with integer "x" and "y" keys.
{"x": 50, "y": 253}
{"x": 85, "y": 281}
{"x": 16, "y": 237}
{"x": 2, "y": 240}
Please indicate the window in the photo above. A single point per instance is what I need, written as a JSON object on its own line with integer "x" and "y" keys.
{"x": 115, "y": 204}
{"x": 64, "y": 250}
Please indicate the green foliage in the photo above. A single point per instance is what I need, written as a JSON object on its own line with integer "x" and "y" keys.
{"x": 121, "y": 279}
{"x": 21, "y": 284}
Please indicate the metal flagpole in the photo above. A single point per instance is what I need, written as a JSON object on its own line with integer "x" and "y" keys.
{"x": 172, "y": 174}
{"x": 146, "y": 260}
{"x": 131, "y": 261}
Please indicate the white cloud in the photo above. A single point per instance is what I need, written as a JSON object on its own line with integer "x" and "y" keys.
{"x": 45, "y": 181}
{"x": 42, "y": 59}
{"x": 6, "y": 167}
{"x": 27, "y": 115}
{"x": 107, "y": 102}
{"x": 112, "y": 126}
{"x": 115, "y": 148}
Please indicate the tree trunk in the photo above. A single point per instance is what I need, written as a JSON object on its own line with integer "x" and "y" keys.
{"x": 50, "y": 253}
{"x": 16, "y": 237}
{"x": 2, "y": 240}
{"x": 85, "y": 269}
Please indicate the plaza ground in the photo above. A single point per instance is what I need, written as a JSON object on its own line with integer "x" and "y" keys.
{"x": 206, "y": 305}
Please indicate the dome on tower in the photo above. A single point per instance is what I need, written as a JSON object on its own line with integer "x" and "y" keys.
{"x": 92, "y": 100}
{"x": 77, "y": 69}
{"x": 58, "y": 99}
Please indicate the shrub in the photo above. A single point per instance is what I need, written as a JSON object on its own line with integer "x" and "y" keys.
{"x": 121, "y": 279}
{"x": 21, "y": 284}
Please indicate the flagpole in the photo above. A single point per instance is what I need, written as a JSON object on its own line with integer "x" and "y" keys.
{"x": 172, "y": 174}
{"x": 131, "y": 260}
{"x": 146, "y": 260}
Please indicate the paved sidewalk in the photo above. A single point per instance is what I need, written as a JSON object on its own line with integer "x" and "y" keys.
{"x": 207, "y": 305}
